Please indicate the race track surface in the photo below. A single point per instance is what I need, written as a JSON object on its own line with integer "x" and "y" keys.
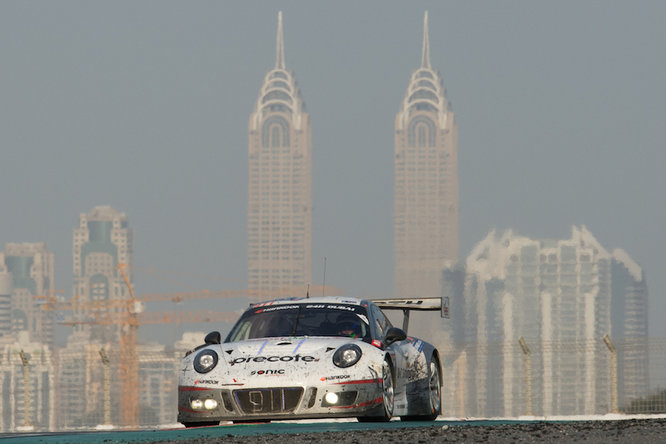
{"x": 499, "y": 431}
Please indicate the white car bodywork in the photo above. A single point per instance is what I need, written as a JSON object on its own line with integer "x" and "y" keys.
{"x": 250, "y": 378}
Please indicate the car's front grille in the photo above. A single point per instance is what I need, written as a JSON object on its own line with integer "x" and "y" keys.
{"x": 226, "y": 399}
{"x": 268, "y": 400}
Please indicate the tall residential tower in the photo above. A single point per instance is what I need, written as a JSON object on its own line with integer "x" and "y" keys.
{"x": 280, "y": 182}
{"x": 102, "y": 240}
{"x": 425, "y": 211}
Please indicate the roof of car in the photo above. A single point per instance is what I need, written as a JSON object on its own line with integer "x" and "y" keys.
{"x": 312, "y": 300}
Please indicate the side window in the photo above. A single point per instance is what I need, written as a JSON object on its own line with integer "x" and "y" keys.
{"x": 382, "y": 324}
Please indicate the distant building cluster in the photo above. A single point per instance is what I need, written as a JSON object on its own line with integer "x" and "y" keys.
{"x": 562, "y": 297}
{"x": 527, "y": 315}
{"x": 46, "y": 387}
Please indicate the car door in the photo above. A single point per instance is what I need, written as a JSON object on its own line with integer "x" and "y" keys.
{"x": 399, "y": 352}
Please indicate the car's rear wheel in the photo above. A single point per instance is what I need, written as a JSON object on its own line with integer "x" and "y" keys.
{"x": 434, "y": 393}
{"x": 387, "y": 395}
{"x": 435, "y": 388}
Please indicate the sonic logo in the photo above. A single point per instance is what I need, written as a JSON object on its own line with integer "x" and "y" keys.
{"x": 267, "y": 372}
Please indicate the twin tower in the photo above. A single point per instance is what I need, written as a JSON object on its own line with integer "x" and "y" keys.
{"x": 425, "y": 211}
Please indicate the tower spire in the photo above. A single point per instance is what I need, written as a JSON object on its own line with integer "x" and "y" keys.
{"x": 425, "y": 53}
{"x": 279, "y": 51}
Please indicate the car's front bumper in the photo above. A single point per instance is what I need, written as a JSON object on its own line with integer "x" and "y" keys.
{"x": 353, "y": 398}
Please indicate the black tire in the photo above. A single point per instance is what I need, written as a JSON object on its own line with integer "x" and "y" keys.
{"x": 189, "y": 425}
{"x": 388, "y": 400}
{"x": 251, "y": 421}
{"x": 434, "y": 393}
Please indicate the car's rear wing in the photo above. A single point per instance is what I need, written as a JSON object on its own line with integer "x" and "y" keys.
{"x": 409, "y": 304}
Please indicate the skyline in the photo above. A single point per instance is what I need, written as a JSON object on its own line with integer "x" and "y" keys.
{"x": 153, "y": 108}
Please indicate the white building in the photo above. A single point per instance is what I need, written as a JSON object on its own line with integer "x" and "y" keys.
{"x": 425, "y": 210}
{"x": 280, "y": 183}
{"x": 6, "y": 290}
{"x": 80, "y": 383}
{"x": 562, "y": 297}
{"x": 158, "y": 384}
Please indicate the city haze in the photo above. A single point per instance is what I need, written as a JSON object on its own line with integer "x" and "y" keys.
{"x": 144, "y": 106}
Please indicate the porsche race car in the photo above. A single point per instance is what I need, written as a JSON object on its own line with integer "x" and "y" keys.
{"x": 312, "y": 358}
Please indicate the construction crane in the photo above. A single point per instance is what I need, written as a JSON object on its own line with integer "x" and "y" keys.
{"x": 129, "y": 372}
{"x": 128, "y": 315}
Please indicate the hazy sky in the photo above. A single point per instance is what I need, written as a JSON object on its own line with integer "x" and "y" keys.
{"x": 144, "y": 106}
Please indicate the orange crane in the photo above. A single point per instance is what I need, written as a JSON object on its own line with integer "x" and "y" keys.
{"x": 129, "y": 372}
{"x": 128, "y": 314}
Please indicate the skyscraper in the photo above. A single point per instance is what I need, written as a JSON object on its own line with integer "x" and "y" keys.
{"x": 280, "y": 182}
{"x": 562, "y": 297}
{"x": 102, "y": 240}
{"x": 26, "y": 279}
{"x": 425, "y": 210}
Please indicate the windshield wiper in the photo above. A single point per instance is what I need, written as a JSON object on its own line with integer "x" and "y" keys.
{"x": 298, "y": 315}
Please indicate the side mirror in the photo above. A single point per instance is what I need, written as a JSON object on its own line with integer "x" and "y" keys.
{"x": 214, "y": 337}
{"x": 394, "y": 334}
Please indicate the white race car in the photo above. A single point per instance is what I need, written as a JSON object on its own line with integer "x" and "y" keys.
{"x": 312, "y": 358}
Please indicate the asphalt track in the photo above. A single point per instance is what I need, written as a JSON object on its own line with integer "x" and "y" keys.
{"x": 500, "y": 431}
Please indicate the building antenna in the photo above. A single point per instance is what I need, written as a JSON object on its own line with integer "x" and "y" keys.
{"x": 425, "y": 51}
{"x": 323, "y": 284}
{"x": 279, "y": 50}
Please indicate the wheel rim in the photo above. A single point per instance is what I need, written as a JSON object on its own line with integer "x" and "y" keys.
{"x": 387, "y": 388}
{"x": 434, "y": 386}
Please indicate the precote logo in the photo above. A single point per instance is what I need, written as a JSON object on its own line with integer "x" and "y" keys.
{"x": 259, "y": 359}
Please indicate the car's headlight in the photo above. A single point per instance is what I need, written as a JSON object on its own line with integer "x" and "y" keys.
{"x": 205, "y": 361}
{"x": 347, "y": 355}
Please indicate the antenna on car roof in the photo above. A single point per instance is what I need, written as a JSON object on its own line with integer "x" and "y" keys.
{"x": 307, "y": 292}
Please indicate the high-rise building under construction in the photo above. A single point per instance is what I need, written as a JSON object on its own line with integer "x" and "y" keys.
{"x": 280, "y": 182}
{"x": 425, "y": 211}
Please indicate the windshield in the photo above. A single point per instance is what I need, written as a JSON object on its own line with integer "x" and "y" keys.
{"x": 301, "y": 320}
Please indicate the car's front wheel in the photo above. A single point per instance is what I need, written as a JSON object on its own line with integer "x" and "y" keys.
{"x": 387, "y": 395}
